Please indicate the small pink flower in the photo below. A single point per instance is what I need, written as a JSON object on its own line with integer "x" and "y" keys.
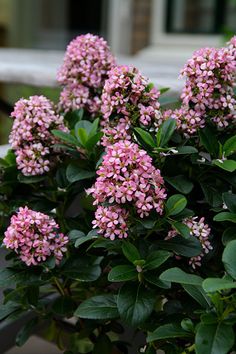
{"x": 127, "y": 177}
{"x": 35, "y": 236}
{"x": 31, "y": 136}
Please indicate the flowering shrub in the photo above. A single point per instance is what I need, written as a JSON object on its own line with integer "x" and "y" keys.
{"x": 31, "y": 135}
{"x": 118, "y": 208}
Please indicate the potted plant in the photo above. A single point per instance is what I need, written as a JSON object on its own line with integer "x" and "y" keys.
{"x": 118, "y": 212}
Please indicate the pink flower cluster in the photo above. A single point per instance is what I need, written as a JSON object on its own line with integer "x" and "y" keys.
{"x": 111, "y": 221}
{"x": 116, "y": 131}
{"x": 187, "y": 120}
{"x": 83, "y": 73}
{"x": 209, "y": 85}
{"x": 232, "y": 47}
{"x": 201, "y": 231}
{"x": 208, "y": 91}
{"x": 31, "y": 137}
{"x": 126, "y": 179}
{"x": 127, "y": 93}
{"x": 35, "y": 237}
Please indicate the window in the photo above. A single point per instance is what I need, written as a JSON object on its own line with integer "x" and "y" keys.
{"x": 200, "y": 16}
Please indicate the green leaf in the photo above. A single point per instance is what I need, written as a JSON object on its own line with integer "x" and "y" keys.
{"x": 229, "y": 146}
{"x": 230, "y": 201}
{"x": 163, "y": 90}
{"x": 185, "y": 247}
{"x": 229, "y": 235}
{"x": 209, "y": 140}
{"x": 229, "y": 259}
{"x": 155, "y": 259}
{"x": 170, "y": 330}
{"x": 82, "y": 136}
{"x": 83, "y": 268}
{"x": 165, "y": 132}
{"x": 181, "y": 228}
{"x": 177, "y": 275}
{"x": 227, "y": 165}
{"x": 198, "y": 294}
{"x": 100, "y": 307}
{"x": 214, "y": 338}
{"x": 152, "y": 278}
{"x": 9, "y": 277}
{"x": 211, "y": 285}
{"x": 122, "y": 273}
{"x": 130, "y": 251}
{"x": 92, "y": 141}
{"x": 68, "y": 138}
{"x": 74, "y": 173}
{"x": 180, "y": 183}
{"x": 146, "y": 137}
{"x": 93, "y": 128}
{"x": 225, "y": 216}
{"x": 175, "y": 204}
{"x": 75, "y": 234}
{"x": 185, "y": 150}
{"x": 64, "y": 306}
{"x": 29, "y": 179}
{"x": 135, "y": 304}
{"x": 7, "y": 309}
{"x": 26, "y": 331}
{"x": 85, "y": 125}
{"x": 82, "y": 239}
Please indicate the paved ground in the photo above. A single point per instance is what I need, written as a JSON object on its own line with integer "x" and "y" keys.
{"x": 35, "y": 345}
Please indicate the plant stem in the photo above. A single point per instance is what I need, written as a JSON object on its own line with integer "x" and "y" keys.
{"x": 59, "y": 286}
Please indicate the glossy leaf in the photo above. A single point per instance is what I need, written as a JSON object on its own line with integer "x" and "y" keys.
{"x": 217, "y": 284}
{"x": 229, "y": 235}
{"x": 74, "y": 173}
{"x": 198, "y": 294}
{"x": 177, "y": 275}
{"x": 130, "y": 251}
{"x": 181, "y": 228}
{"x": 214, "y": 338}
{"x": 153, "y": 278}
{"x": 165, "y": 132}
{"x": 155, "y": 259}
{"x": 225, "y": 216}
{"x": 227, "y": 165}
{"x": 26, "y": 331}
{"x": 180, "y": 183}
{"x": 135, "y": 304}
{"x": 185, "y": 247}
{"x": 68, "y": 138}
{"x": 175, "y": 204}
{"x": 229, "y": 258}
{"x": 229, "y": 146}
{"x": 146, "y": 137}
{"x": 170, "y": 330}
{"x": 209, "y": 140}
{"x": 100, "y": 307}
{"x": 122, "y": 273}
{"x": 230, "y": 201}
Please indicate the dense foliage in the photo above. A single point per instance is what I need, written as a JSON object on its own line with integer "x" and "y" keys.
{"x": 118, "y": 208}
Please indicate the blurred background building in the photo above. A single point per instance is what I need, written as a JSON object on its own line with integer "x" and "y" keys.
{"x": 128, "y": 25}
